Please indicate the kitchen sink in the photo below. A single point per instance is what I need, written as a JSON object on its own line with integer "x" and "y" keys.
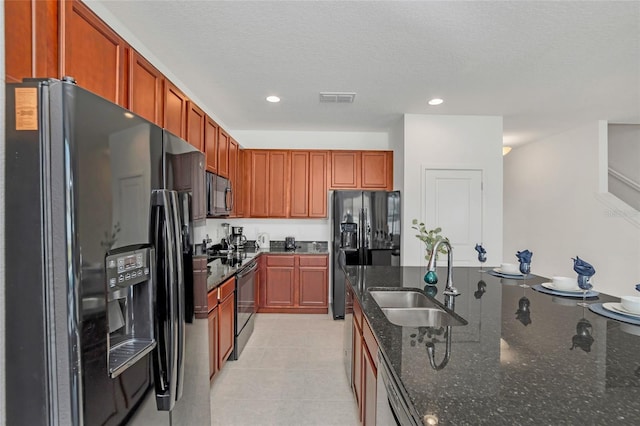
{"x": 411, "y": 308}
{"x": 401, "y": 299}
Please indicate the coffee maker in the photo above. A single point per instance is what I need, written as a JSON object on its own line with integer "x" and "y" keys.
{"x": 237, "y": 239}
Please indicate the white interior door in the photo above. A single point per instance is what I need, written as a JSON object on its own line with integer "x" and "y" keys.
{"x": 453, "y": 202}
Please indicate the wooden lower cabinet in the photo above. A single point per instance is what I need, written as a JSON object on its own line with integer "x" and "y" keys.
{"x": 225, "y": 331}
{"x": 294, "y": 284}
{"x": 221, "y": 328}
{"x": 364, "y": 375}
{"x": 356, "y": 373}
{"x": 213, "y": 342}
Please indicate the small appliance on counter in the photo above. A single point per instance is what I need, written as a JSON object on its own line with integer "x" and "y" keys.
{"x": 290, "y": 244}
{"x": 237, "y": 239}
{"x": 263, "y": 241}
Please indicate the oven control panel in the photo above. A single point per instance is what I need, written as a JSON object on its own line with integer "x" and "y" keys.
{"x": 128, "y": 268}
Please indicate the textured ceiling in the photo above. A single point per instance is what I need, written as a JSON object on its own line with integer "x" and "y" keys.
{"x": 545, "y": 66}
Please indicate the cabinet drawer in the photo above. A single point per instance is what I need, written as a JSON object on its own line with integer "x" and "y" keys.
{"x": 212, "y": 299}
{"x": 280, "y": 260}
{"x": 226, "y": 289}
{"x": 314, "y": 260}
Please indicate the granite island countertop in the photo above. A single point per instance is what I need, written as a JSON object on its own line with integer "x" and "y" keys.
{"x": 507, "y": 368}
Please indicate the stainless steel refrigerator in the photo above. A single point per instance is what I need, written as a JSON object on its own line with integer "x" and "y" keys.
{"x": 366, "y": 231}
{"x": 100, "y": 326}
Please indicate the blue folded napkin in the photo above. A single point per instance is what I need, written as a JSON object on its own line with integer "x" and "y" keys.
{"x": 524, "y": 256}
{"x": 638, "y": 287}
{"x": 583, "y": 268}
{"x": 480, "y": 249}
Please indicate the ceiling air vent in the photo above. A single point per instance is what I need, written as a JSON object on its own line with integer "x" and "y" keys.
{"x": 337, "y": 97}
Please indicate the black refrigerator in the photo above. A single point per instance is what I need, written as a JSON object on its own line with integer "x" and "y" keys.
{"x": 366, "y": 227}
{"x": 100, "y": 326}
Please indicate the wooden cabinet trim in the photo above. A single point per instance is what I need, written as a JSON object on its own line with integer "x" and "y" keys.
{"x": 226, "y": 289}
{"x": 195, "y": 126}
{"x": 280, "y": 260}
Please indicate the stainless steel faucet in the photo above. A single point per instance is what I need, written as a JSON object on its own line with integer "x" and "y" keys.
{"x": 432, "y": 278}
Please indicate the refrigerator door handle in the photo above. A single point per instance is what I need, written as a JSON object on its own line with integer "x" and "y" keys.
{"x": 179, "y": 292}
{"x": 165, "y": 359}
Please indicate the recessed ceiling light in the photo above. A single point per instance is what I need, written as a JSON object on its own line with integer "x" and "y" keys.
{"x": 435, "y": 101}
{"x": 273, "y": 99}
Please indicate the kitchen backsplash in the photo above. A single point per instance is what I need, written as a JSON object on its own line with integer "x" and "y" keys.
{"x": 278, "y": 229}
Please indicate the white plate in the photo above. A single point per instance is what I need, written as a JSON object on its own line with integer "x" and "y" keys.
{"x": 550, "y": 286}
{"x": 499, "y": 270}
{"x": 617, "y": 308}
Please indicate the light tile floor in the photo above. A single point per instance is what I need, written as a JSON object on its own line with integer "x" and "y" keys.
{"x": 290, "y": 373}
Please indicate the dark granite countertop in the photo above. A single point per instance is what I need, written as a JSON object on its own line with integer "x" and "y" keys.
{"x": 505, "y": 370}
{"x": 221, "y": 268}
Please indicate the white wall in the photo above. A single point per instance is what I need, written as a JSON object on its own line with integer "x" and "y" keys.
{"x": 283, "y": 139}
{"x": 450, "y": 142}
{"x": 553, "y": 208}
{"x": 396, "y": 143}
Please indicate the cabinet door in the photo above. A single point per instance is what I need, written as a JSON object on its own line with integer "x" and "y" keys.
{"x": 318, "y": 184}
{"x": 223, "y": 152}
{"x": 175, "y": 110}
{"x": 356, "y": 373}
{"x": 233, "y": 175}
{"x": 369, "y": 379}
{"x": 225, "y": 330}
{"x": 299, "y": 206}
{"x": 259, "y": 183}
{"x": 195, "y": 126}
{"x": 213, "y": 342}
{"x": 146, "y": 88}
{"x": 92, "y": 53}
{"x": 279, "y": 288}
{"x": 345, "y": 167}
{"x": 241, "y": 184}
{"x": 211, "y": 144}
{"x": 375, "y": 169}
{"x": 31, "y": 39}
{"x": 278, "y": 183}
{"x": 313, "y": 286}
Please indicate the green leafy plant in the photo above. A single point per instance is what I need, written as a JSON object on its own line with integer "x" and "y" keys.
{"x": 429, "y": 238}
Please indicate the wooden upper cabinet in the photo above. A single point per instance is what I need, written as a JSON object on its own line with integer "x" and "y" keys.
{"x": 345, "y": 169}
{"x": 278, "y": 182}
{"x": 308, "y": 192}
{"x": 233, "y": 175}
{"x": 91, "y": 52}
{"x": 146, "y": 88}
{"x": 211, "y": 144}
{"x": 372, "y": 170}
{"x": 269, "y": 183}
{"x": 241, "y": 183}
{"x": 223, "y": 152}
{"x": 376, "y": 169}
{"x": 299, "y": 206}
{"x": 195, "y": 126}
{"x": 30, "y": 39}
{"x": 259, "y": 183}
{"x": 318, "y": 163}
{"x": 175, "y": 110}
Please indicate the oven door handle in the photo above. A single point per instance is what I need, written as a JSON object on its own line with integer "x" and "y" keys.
{"x": 248, "y": 271}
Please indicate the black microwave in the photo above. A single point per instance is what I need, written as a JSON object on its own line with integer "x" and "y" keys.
{"x": 219, "y": 195}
